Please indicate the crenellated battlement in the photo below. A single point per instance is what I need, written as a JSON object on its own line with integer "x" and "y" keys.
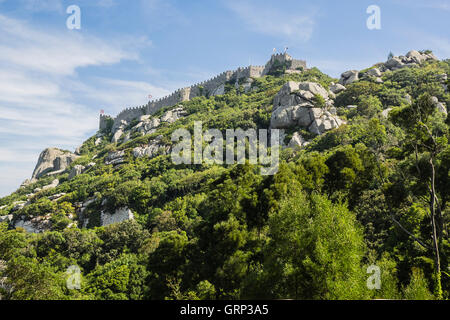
{"x": 209, "y": 87}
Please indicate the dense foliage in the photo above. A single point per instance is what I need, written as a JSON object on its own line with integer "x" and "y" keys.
{"x": 356, "y": 196}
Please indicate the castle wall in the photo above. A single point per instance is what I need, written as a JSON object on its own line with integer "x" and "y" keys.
{"x": 205, "y": 88}
{"x": 295, "y": 64}
{"x": 128, "y": 115}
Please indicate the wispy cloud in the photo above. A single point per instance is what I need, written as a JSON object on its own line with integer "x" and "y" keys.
{"x": 272, "y": 21}
{"x": 56, "y": 53}
{"x": 43, "y": 99}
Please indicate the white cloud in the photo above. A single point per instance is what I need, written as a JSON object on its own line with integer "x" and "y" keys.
{"x": 118, "y": 94}
{"x": 57, "y": 53}
{"x": 45, "y": 102}
{"x": 273, "y": 21}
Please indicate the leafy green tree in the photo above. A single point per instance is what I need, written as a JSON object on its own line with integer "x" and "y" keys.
{"x": 416, "y": 120}
{"x": 316, "y": 250}
{"x": 32, "y": 280}
{"x": 417, "y": 288}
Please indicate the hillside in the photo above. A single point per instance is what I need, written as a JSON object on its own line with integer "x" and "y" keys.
{"x": 363, "y": 179}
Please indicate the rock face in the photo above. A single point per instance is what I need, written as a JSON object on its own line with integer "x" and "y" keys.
{"x": 117, "y": 135}
{"x": 52, "y": 185}
{"x": 57, "y": 196}
{"x": 6, "y": 218}
{"x": 121, "y": 214}
{"x": 76, "y": 170}
{"x": 295, "y": 93}
{"x": 151, "y": 150}
{"x": 294, "y": 106}
{"x": 418, "y": 57}
{"x": 173, "y": 115}
{"x": 412, "y": 58}
{"x": 374, "y": 72}
{"x": 115, "y": 158}
{"x": 385, "y": 112}
{"x": 35, "y": 225}
{"x": 337, "y": 88}
{"x": 394, "y": 63}
{"x": 17, "y": 205}
{"x": 440, "y": 106}
{"x": 27, "y": 182}
{"x": 53, "y": 160}
{"x": 147, "y": 124}
{"x": 297, "y": 141}
{"x": 349, "y": 77}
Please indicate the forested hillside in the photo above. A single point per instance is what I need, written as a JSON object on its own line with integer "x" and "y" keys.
{"x": 372, "y": 191}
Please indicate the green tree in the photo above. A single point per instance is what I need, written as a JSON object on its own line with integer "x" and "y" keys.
{"x": 416, "y": 120}
{"x": 316, "y": 250}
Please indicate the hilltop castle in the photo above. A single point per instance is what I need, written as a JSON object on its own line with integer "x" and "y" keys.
{"x": 214, "y": 86}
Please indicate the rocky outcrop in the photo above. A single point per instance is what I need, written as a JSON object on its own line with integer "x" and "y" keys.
{"x": 297, "y": 141}
{"x": 385, "y": 112}
{"x": 147, "y": 124}
{"x": 76, "y": 170}
{"x": 27, "y": 182}
{"x": 54, "y": 161}
{"x": 337, "y": 88}
{"x": 52, "y": 185}
{"x": 17, "y": 205}
{"x": 7, "y": 218}
{"x": 349, "y": 77}
{"x": 294, "y": 106}
{"x": 57, "y": 196}
{"x": 412, "y": 58}
{"x": 299, "y": 93}
{"x": 173, "y": 115}
{"x": 120, "y": 215}
{"x": 154, "y": 148}
{"x": 117, "y": 135}
{"x": 374, "y": 72}
{"x": 35, "y": 225}
{"x": 418, "y": 57}
{"x": 440, "y": 106}
{"x": 394, "y": 63}
{"x": 115, "y": 158}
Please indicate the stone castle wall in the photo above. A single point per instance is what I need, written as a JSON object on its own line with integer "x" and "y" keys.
{"x": 209, "y": 87}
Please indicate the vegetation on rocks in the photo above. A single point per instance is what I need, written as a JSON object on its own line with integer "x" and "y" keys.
{"x": 374, "y": 191}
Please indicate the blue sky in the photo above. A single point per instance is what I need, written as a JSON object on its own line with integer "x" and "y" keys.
{"x": 54, "y": 81}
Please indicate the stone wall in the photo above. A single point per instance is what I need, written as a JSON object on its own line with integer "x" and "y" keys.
{"x": 206, "y": 88}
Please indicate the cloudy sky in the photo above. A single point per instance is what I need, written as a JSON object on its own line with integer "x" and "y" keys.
{"x": 54, "y": 81}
